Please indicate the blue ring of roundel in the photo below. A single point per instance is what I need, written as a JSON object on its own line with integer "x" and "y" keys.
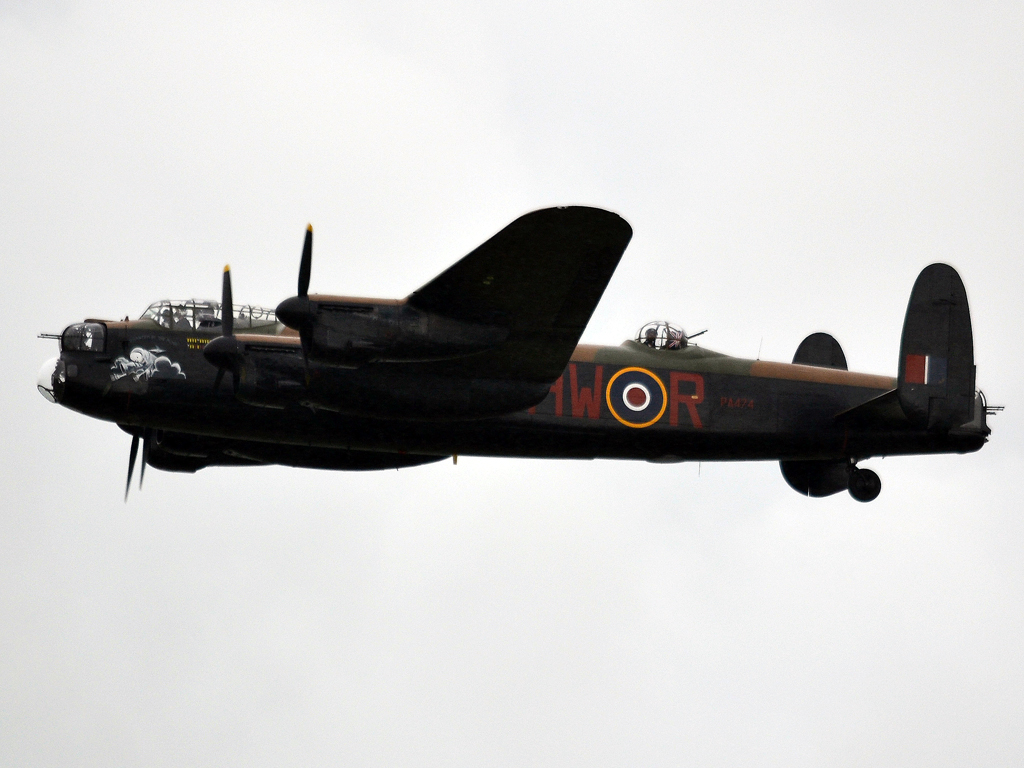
{"x": 655, "y": 407}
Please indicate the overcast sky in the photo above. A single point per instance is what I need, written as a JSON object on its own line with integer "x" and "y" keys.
{"x": 786, "y": 167}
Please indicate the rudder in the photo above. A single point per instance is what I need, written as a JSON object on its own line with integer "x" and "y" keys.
{"x": 936, "y": 371}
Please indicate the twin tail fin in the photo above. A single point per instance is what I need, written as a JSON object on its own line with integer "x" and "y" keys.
{"x": 936, "y": 380}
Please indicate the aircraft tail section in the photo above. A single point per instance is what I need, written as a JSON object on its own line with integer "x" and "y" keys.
{"x": 816, "y": 478}
{"x": 935, "y": 385}
{"x": 821, "y": 350}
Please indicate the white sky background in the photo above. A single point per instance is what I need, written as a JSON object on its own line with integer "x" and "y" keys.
{"x": 786, "y": 169}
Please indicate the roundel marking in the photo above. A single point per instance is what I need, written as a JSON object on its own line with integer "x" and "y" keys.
{"x": 636, "y": 397}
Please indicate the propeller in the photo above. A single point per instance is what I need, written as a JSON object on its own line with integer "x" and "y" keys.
{"x": 306, "y": 265}
{"x": 225, "y": 351}
{"x": 147, "y": 435}
{"x": 131, "y": 465}
{"x": 227, "y": 312}
{"x": 295, "y": 312}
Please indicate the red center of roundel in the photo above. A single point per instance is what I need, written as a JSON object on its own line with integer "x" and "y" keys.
{"x": 636, "y": 397}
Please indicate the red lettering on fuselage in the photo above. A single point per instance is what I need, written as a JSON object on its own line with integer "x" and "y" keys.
{"x": 585, "y": 399}
{"x": 557, "y": 389}
{"x": 690, "y": 400}
{"x": 737, "y": 402}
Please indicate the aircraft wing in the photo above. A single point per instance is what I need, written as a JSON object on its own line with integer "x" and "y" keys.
{"x": 540, "y": 278}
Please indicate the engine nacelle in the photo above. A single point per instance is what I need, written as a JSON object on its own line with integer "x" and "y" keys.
{"x": 274, "y": 376}
{"x": 351, "y": 332}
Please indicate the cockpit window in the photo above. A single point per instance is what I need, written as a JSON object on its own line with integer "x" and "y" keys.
{"x": 84, "y": 337}
{"x": 661, "y": 335}
{"x": 199, "y": 315}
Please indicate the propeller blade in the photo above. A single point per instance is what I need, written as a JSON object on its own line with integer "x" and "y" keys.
{"x": 147, "y": 435}
{"x": 223, "y": 351}
{"x": 227, "y": 312}
{"x": 227, "y": 354}
{"x": 306, "y": 265}
{"x": 131, "y": 465}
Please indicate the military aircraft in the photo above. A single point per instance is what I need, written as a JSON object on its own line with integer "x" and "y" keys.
{"x": 485, "y": 360}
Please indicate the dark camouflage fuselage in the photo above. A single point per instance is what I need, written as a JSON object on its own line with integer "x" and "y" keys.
{"x": 624, "y": 402}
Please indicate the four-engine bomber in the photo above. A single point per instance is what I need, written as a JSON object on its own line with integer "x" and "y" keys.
{"x": 485, "y": 360}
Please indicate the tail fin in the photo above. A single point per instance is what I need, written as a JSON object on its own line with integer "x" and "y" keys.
{"x": 816, "y": 478}
{"x": 936, "y": 372}
{"x": 821, "y": 350}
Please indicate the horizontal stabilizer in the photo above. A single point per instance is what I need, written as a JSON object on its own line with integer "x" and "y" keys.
{"x": 882, "y": 412}
{"x": 822, "y": 350}
{"x": 540, "y": 278}
{"x": 936, "y": 369}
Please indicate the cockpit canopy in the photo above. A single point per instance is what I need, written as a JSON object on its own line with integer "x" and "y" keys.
{"x": 199, "y": 315}
{"x": 661, "y": 335}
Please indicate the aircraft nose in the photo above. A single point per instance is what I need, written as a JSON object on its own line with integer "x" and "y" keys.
{"x": 44, "y": 381}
